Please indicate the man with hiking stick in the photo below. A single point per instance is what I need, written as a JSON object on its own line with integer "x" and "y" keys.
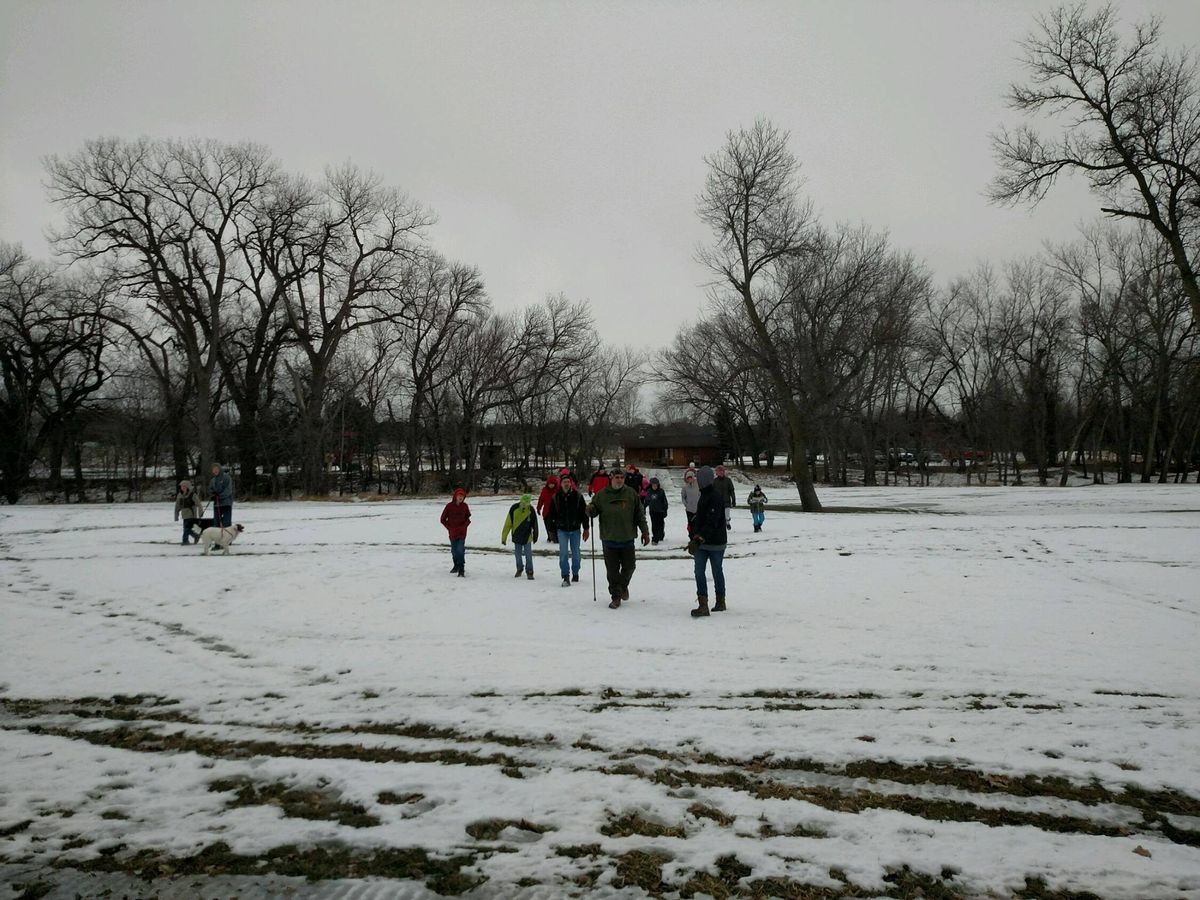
{"x": 622, "y": 516}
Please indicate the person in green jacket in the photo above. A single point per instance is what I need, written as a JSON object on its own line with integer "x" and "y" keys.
{"x": 522, "y": 523}
{"x": 622, "y": 516}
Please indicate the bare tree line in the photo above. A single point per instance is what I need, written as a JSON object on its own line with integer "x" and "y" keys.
{"x": 221, "y": 307}
{"x": 246, "y": 312}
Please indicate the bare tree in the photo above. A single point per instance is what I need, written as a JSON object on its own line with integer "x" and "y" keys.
{"x": 52, "y": 344}
{"x": 1131, "y": 126}
{"x": 355, "y": 262}
{"x": 165, "y": 216}
{"x": 750, "y": 203}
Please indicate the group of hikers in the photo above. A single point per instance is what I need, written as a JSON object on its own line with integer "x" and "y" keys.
{"x": 619, "y": 500}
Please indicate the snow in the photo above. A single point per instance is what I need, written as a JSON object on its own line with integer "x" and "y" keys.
{"x": 1001, "y": 632}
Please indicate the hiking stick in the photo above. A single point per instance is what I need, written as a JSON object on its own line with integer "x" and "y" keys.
{"x": 592, "y": 541}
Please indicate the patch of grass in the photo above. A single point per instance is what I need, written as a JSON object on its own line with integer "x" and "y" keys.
{"x": 701, "y": 811}
{"x": 489, "y": 829}
{"x": 857, "y": 801}
{"x": 314, "y": 863}
{"x": 391, "y": 798}
{"x": 577, "y": 851}
{"x": 634, "y": 823}
{"x": 767, "y": 830}
{"x": 144, "y": 740}
{"x": 10, "y": 830}
{"x": 641, "y": 868}
{"x": 298, "y": 803}
{"x": 32, "y": 890}
{"x": 114, "y": 814}
{"x": 1036, "y": 889}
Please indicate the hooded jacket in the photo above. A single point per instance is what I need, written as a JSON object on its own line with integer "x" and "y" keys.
{"x": 456, "y": 517}
{"x": 656, "y": 499}
{"x": 188, "y": 503}
{"x": 549, "y": 489}
{"x": 708, "y": 526}
{"x": 690, "y": 496}
{"x": 521, "y": 522}
{"x": 221, "y": 487}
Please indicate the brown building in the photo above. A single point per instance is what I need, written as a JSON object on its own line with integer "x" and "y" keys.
{"x": 672, "y": 445}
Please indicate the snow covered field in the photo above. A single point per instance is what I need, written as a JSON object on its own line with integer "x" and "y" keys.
{"x": 974, "y": 690}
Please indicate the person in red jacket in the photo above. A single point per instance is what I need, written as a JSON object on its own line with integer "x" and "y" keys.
{"x": 598, "y": 481}
{"x": 549, "y": 489}
{"x": 456, "y": 517}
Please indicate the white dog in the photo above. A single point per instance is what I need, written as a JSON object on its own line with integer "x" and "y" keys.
{"x": 222, "y": 537}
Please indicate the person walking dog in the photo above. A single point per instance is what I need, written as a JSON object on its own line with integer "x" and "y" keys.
{"x": 187, "y": 503}
{"x": 221, "y": 488}
{"x": 707, "y": 545}
{"x": 621, "y": 516}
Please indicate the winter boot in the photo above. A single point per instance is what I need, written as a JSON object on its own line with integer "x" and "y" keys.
{"x": 719, "y": 606}
{"x": 701, "y": 608}
{"x": 615, "y": 603}
{"x": 461, "y": 572}
{"x": 520, "y": 572}
{"x": 529, "y": 575}
{"x": 566, "y": 582}
{"x": 625, "y": 593}
{"x": 575, "y": 577}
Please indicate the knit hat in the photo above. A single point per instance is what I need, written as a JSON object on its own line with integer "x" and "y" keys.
{"x": 459, "y": 492}
{"x": 654, "y": 481}
{"x": 565, "y": 480}
{"x": 552, "y": 480}
{"x": 705, "y": 476}
{"x": 526, "y": 499}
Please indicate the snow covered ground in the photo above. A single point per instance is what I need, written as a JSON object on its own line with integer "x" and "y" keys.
{"x": 974, "y": 690}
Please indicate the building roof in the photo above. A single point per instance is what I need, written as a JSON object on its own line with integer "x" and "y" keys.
{"x": 679, "y": 434}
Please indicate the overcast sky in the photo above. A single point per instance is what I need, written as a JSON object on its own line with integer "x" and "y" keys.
{"x": 560, "y": 144}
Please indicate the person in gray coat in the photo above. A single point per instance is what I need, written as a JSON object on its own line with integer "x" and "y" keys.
{"x": 221, "y": 488}
{"x": 690, "y": 496}
{"x": 187, "y": 504}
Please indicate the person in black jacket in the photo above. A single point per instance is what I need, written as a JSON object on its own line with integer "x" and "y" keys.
{"x": 656, "y": 506}
{"x": 567, "y": 515}
{"x": 708, "y": 541}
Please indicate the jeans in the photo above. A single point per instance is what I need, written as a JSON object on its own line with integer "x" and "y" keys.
{"x": 759, "y": 517}
{"x": 222, "y": 514}
{"x": 527, "y": 550}
{"x": 716, "y": 555}
{"x": 458, "y": 552}
{"x": 568, "y": 547}
{"x": 619, "y": 563}
{"x": 187, "y": 531}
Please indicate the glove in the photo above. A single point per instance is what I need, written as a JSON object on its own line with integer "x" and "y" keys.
{"x": 645, "y": 538}
{"x": 691, "y": 547}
